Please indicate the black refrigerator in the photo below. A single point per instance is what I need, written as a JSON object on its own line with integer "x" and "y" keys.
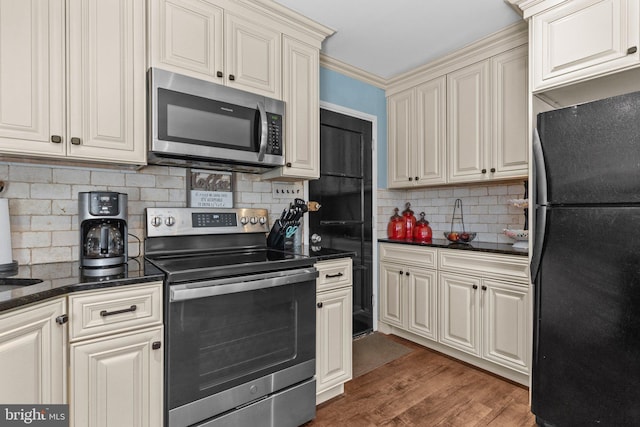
{"x": 586, "y": 265}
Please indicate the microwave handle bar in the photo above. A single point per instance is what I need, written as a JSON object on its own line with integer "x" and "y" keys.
{"x": 265, "y": 131}
{"x": 241, "y": 284}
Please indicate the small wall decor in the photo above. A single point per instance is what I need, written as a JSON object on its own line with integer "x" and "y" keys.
{"x": 209, "y": 189}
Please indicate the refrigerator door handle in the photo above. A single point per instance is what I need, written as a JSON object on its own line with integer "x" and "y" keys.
{"x": 538, "y": 241}
{"x": 539, "y": 171}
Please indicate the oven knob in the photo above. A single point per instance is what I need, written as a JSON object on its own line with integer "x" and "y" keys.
{"x": 263, "y": 220}
{"x": 156, "y": 221}
{"x": 244, "y": 220}
{"x": 254, "y": 220}
{"x": 169, "y": 221}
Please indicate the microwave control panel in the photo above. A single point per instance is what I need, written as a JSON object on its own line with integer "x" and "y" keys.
{"x": 274, "y": 139}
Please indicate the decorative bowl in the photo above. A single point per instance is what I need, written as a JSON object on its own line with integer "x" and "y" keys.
{"x": 459, "y": 237}
{"x": 517, "y": 234}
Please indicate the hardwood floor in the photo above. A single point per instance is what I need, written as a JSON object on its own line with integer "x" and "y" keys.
{"x": 426, "y": 388}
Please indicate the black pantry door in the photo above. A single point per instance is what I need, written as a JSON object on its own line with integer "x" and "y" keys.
{"x": 345, "y": 192}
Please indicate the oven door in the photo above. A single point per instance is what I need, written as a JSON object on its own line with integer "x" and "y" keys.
{"x": 236, "y": 340}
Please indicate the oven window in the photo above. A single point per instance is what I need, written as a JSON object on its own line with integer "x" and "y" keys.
{"x": 203, "y": 121}
{"x": 219, "y": 342}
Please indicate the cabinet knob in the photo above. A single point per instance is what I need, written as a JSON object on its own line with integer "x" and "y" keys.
{"x": 62, "y": 319}
{"x": 632, "y": 49}
{"x": 475, "y": 286}
{"x": 319, "y": 305}
{"x": 56, "y": 139}
{"x": 417, "y": 178}
{"x": 156, "y": 345}
{"x": 76, "y": 140}
{"x": 493, "y": 170}
{"x": 219, "y": 74}
{"x": 232, "y": 77}
{"x": 484, "y": 171}
{"x": 401, "y": 272}
{"x": 410, "y": 178}
{"x": 288, "y": 164}
{"x": 406, "y": 274}
{"x": 484, "y": 288}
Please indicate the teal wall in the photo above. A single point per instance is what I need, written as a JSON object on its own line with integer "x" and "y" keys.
{"x": 351, "y": 93}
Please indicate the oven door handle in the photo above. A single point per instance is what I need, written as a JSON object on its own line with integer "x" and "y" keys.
{"x": 233, "y": 285}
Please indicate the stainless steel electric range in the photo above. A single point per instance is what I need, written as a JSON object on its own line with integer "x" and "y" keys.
{"x": 239, "y": 320}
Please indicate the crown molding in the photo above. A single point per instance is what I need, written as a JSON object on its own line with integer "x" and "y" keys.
{"x": 528, "y": 8}
{"x": 351, "y": 71}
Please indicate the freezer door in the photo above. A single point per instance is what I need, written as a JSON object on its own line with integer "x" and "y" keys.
{"x": 586, "y": 361}
{"x": 592, "y": 151}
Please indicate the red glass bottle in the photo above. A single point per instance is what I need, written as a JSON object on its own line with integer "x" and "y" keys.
{"x": 396, "y": 229}
{"x": 422, "y": 231}
{"x": 409, "y": 220}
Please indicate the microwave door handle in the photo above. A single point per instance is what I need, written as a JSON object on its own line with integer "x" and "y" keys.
{"x": 265, "y": 131}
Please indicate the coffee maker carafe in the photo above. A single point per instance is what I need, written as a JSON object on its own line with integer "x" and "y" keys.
{"x": 103, "y": 229}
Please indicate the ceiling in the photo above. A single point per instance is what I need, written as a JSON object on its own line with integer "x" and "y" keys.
{"x": 389, "y": 38}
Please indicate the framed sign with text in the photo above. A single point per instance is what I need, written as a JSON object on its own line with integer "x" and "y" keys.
{"x": 209, "y": 189}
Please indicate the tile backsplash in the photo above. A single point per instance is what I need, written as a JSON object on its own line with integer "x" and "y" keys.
{"x": 43, "y": 204}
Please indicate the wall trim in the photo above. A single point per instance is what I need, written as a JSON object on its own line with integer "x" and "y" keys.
{"x": 351, "y": 71}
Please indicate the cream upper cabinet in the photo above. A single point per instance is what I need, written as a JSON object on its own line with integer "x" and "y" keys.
{"x": 205, "y": 41}
{"x": 416, "y": 147}
{"x": 469, "y": 122}
{"x": 33, "y": 363}
{"x": 487, "y": 134}
{"x": 301, "y": 92}
{"x": 334, "y": 329}
{"x": 94, "y": 109}
{"x": 580, "y": 39}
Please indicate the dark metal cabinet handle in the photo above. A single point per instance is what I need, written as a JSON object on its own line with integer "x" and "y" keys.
{"x": 632, "y": 49}
{"x": 475, "y": 286}
{"x": 156, "y": 345}
{"x": 62, "y": 319}
{"x": 332, "y": 276}
{"x": 232, "y": 77}
{"x": 493, "y": 170}
{"x": 219, "y": 74}
{"x": 288, "y": 164}
{"x": 484, "y": 288}
{"x": 417, "y": 178}
{"x": 57, "y": 139}
{"x": 76, "y": 141}
{"x": 484, "y": 171}
{"x": 401, "y": 272}
{"x": 406, "y": 274}
{"x": 105, "y": 313}
{"x": 319, "y": 305}
{"x": 410, "y": 178}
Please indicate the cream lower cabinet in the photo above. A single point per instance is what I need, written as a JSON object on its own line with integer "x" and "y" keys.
{"x": 116, "y": 357}
{"x": 73, "y": 80}
{"x": 33, "y": 362}
{"x": 334, "y": 303}
{"x": 473, "y": 306}
{"x": 582, "y": 39}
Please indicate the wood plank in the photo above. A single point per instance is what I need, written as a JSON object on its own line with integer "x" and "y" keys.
{"x": 427, "y": 388}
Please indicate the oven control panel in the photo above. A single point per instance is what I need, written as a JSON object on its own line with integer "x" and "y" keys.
{"x": 189, "y": 221}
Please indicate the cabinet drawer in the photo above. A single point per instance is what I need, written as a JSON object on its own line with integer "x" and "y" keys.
{"x": 485, "y": 265}
{"x": 409, "y": 254}
{"x": 334, "y": 274}
{"x": 95, "y": 313}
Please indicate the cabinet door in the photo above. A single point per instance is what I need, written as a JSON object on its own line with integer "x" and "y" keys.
{"x": 33, "y": 364}
{"x": 187, "y": 37}
{"x": 510, "y": 139}
{"x": 584, "y": 38}
{"x": 32, "y": 77}
{"x": 422, "y": 301}
{"x": 469, "y": 130}
{"x": 401, "y": 139}
{"x": 333, "y": 339}
{"x": 391, "y": 295}
{"x": 505, "y": 324}
{"x": 253, "y": 57}
{"x": 302, "y": 95}
{"x": 117, "y": 380}
{"x": 107, "y": 80}
{"x": 460, "y": 312}
{"x": 430, "y": 152}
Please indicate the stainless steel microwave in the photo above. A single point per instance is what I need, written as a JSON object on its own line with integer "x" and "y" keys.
{"x": 196, "y": 123}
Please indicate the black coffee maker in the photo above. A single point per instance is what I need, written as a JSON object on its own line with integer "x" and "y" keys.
{"x": 103, "y": 230}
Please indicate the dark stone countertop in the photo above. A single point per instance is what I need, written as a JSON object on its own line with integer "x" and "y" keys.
{"x": 498, "y": 248}
{"x": 61, "y": 278}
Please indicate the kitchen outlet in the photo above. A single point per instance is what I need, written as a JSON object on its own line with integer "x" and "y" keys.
{"x": 284, "y": 190}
